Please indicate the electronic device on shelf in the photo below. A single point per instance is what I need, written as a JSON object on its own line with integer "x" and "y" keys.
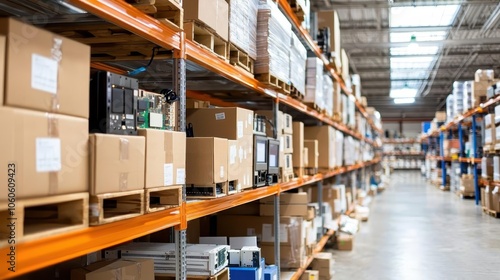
{"x": 259, "y": 125}
{"x": 113, "y": 105}
{"x": 234, "y": 257}
{"x": 250, "y": 256}
{"x": 260, "y": 157}
{"x": 273, "y": 161}
{"x": 215, "y": 190}
{"x": 201, "y": 259}
{"x": 323, "y": 39}
{"x": 155, "y": 111}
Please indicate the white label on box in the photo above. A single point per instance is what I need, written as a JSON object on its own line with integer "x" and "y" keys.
{"x": 240, "y": 129}
{"x": 241, "y": 153}
{"x": 44, "y": 73}
{"x": 282, "y": 147}
{"x": 181, "y": 176}
{"x": 220, "y": 116}
{"x": 221, "y": 171}
{"x": 267, "y": 233}
{"x": 48, "y": 154}
{"x": 232, "y": 154}
{"x": 283, "y": 233}
{"x": 168, "y": 174}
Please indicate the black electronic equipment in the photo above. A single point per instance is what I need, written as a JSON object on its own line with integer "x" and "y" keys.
{"x": 260, "y": 159}
{"x": 113, "y": 105}
{"x": 259, "y": 125}
{"x": 324, "y": 41}
{"x": 273, "y": 161}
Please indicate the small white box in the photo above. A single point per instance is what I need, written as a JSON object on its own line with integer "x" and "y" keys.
{"x": 234, "y": 257}
{"x": 250, "y": 256}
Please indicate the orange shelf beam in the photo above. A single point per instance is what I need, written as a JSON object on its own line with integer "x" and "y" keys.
{"x": 45, "y": 252}
{"x": 126, "y": 16}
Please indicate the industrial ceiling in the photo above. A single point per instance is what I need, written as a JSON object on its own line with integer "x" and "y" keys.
{"x": 453, "y": 39}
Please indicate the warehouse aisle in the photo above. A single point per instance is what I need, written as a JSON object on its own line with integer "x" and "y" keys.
{"x": 416, "y": 231}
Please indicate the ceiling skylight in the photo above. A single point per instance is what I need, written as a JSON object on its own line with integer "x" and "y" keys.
{"x": 411, "y": 65}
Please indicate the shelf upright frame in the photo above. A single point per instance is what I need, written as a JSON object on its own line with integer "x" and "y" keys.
{"x": 277, "y": 253}
{"x": 463, "y": 165}
{"x": 474, "y": 165}
{"x": 179, "y": 87}
{"x": 441, "y": 153}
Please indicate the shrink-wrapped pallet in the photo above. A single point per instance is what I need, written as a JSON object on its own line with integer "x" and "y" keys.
{"x": 314, "y": 81}
{"x": 273, "y": 41}
{"x": 243, "y": 25}
{"x": 328, "y": 94}
{"x": 458, "y": 98}
{"x": 467, "y": 96}
{"x": 450, "y": 113}
{"x": 298, "y": 57}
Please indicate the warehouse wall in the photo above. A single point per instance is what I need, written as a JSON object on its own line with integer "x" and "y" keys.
{"x": 410, "y": 129}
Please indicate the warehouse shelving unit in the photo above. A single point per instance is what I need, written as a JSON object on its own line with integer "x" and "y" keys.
{"x": 391, "y": 156}
{"x": 37, "y": 254}
{"x": 458, "y": 123}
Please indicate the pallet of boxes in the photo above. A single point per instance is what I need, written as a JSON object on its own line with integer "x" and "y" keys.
{"x": 243, "y": 34}
{"x": 44, "y": 94}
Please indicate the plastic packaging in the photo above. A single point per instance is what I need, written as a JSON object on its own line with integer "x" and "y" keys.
{"x": 243, "y": 25}
{"x": 458, "y": 98}
{"x": 467, "y": 96}
{"x": 328, "y": 94}
{"x": 273, "y": 41}
{"x": 298, "y": 57}
{"x": 449, "y": 108}
{"x": 314, "y": 82}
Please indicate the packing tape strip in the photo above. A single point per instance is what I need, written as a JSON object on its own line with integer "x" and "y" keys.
{"x": 124, "y": 155}
{"x": 53, "y": 123}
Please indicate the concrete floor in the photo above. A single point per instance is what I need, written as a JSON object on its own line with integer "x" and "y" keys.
{"x": 416, "y": 231}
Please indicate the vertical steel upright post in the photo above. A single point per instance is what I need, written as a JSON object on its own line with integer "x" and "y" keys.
{"x": 474, "y": 153}
{"x": 443, "y": 162}
{"x": 277, "y": 254}
{"x": 463, "y": 165}
{"x": 179, "y": 87}
{"x": 319, "y": 185}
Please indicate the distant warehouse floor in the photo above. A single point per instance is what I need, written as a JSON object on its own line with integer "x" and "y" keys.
{"x": 416, "y": 231}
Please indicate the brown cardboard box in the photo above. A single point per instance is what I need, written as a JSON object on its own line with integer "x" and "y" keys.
{"x": 312, "y": 153}
{"x": 326, "y": 144}
{"x": 298, "y": 145}
{"x": 495, "y": 199}
{"x": 230, "y": 123}
{"x": 440, "y": 116}
{"x": 488, "y": 197}
{"x": 345, "y": 242}
{"x": 467, "y": 183}
{"x": 364, "y": 101}
{"x": 116, "y": 163}
{"x": 479, "y": 91}
{"x": 288, "y": 198}
{"x": 287, "y": 142}
{"x": 206, "y": 160}
{"x": 165, "y": 157}
{"x": 337, "y": 99}
{"x": 49, "y": 153}
{"x": 291, "y": 204}
{"x": 330, "y": 19}
{"x": 33, "y": 76}
{"x": 484, "y": 75}
{"x": 345, "y": 63}
{"x": 196, "y": 104}
{"x": 483, "y": 197}
{"x": 287, "y": 124}
{"x": 204, "y": 11}
{"x": 306, "y": 156}
{"x": 323, "y": 263}
{"x": 233, "y": 160}
{"x": 222, "y": 27}
{"x": 2, "y": 67}
{"x": 290, "y": 256}
{"x": 310, "y": 275}
{"x": 137, "y": 269}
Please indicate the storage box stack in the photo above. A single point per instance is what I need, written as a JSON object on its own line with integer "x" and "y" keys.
{"x": 345, "y": 109}
{"x": 273, "y": 42}
{"x": 311, "y": 156}
{"x": 243, "y": 25}
{"x": 314, "y": 82}
{"x": 298, "y": 147}
{"x": 351, "y": 113}
{"x": 232, "y": 124}
{"x": 213, "y": 14}
{"x": 323, "y": 262}
{"x": 458, "y": 97}
{"x": 326, "y": 144}
{"x": 310, "y": 275}
{"x": 286, "y": 141}
{"x": 356, "y": 86}
{"x": 44, "y": 116}
{"x": 331, "y": 20}
{"x": 349, "y": 150}
{"x": 337, "y": 102}
{"x": 489, "y": 132}
{"x": 467, "y": 184}
{"x": 339, "y": 148}
{"x": 496, "y": 125}
{"x": 328, "y": 95}
{"x": 467, "y": 96}
{"x": 483, "y": 80}
{"x": 298, "y": 57}
{"x": 450, "y": 113}
{"x": 345, "y": 68}
{"x": 487, "y": 168}
{"x": 140, "y": 269}
{"x": 292, "y": 248}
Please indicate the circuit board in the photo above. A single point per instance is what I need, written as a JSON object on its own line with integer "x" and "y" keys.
{"x": 154, "y": 112}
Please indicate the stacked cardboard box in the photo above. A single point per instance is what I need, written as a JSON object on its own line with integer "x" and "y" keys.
{"x": 298, "y": 57}
{"x": 345, "y": 242}
{"x": 467, "y": 184}
{"x": 140, "y": 269}
{"x": 232, "y": 124}
{"x": 323, "y": 263}
{"x": 326, "y": 136}
{"x": 213, "y": 14}
{"x": 273, "y": 42}
{"x": 489, "y": 132}
{"x": 331, "y": 20}
{"x": 314, "y": 82}
{"x": 243, "y": 25}
{"x": 327, "y": 95}
{"x": 311, "y": 156}
{"x": 356, "y": 85}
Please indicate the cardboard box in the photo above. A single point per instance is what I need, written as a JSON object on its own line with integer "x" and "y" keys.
{"x": 204, "y": 11}
{"x": 137, "y": 269}
{"x": 298, "y": 145}
{"x": 291, "y": 204}
{"x": 484, "y": 75}
{"x": 47, "y": 153}
{"x": 467, "y": 183}
{"x": 312, "y": 153}
{"x": 345, "y": 242}
{"x": 440, "y": 116}
{"x": 44, "y": 70}
{"x": 305, "y": 155}
{"x": 206, "y": 160}
{"x": 479, "y": 92}
{"x": 2, "y": 66}
{"x": 287, "y": 163}
{"x": 116, "y": 163}
{"x": 287, "y": 124}
{"x": 222, "y": 25}
{"x": 287, "y": 141}
{"x": 196, "y": 104}
{"x": 230, "y": 123}
{"x": 310, "y": 275}
{"x": 326, "y": 144}
{"x": 323, "y": 262}
{"x": 290, "y": 256}
{"x": 331, "y": 20}
{"x": 233, "y": 160}
{"x": 488, "y": 197}
{"x": 345, "y": 64}
{"x": 165, "y": 157}
{"x": 495, "y": 200}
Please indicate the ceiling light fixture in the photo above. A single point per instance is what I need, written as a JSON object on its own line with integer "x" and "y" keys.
{"x": 404, "y": 100}
{"x": 405, "y": 92}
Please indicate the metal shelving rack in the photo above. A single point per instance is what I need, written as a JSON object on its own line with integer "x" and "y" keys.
{"x": 37, "y": 254}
